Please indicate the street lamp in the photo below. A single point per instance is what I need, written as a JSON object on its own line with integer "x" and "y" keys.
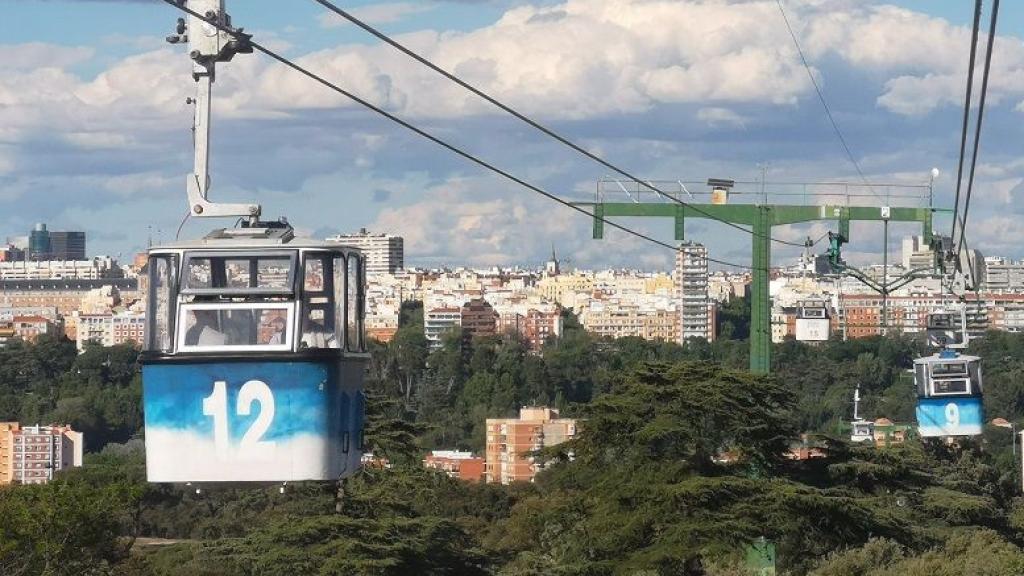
{"x": 1004, "y": 423}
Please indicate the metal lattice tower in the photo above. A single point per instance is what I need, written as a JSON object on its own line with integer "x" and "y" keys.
{"x": 761, "y": 218}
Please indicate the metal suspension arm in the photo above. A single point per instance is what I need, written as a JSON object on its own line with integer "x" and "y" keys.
{"x": 208, "y": 46}
{"x": 907, "y": 278}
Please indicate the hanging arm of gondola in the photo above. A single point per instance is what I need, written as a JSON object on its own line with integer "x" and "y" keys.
{"x": 207, "y": 46}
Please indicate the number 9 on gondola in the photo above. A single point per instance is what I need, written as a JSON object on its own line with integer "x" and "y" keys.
{"x": 949, "y": 395}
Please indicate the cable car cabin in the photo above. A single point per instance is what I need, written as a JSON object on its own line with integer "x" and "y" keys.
{"x": 945, "y": 330}
{"x": 949, "y": 390}
{"x": 254, "y": 359}
{"x": 813, "y": 321}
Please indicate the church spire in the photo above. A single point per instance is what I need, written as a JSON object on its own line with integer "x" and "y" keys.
{"x": 552, "y": 267}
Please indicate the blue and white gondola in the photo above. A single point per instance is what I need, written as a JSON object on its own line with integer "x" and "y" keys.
{"x": 949, "y": 395}
{"x": 254, "y": 359}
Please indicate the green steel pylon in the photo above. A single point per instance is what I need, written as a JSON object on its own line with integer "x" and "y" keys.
{"x": 761, "y": 219}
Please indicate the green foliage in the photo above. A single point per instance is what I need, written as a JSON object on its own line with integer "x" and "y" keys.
{"x": 645, "y": 493}
{"x": 65, "y": 527}
{"x": 689, "y": 412}
{"x": 678, "y": 468}
{"x": 734, "y": 319}
{"x": 331, "y": 545}
{"x": 98, "y": 392}
{"x": 975, "y": 552}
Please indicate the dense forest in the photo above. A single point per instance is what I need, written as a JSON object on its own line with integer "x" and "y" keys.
{"x": 640, "y": 492}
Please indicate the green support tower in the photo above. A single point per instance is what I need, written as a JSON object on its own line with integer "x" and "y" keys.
{"x": 761, "y": 218}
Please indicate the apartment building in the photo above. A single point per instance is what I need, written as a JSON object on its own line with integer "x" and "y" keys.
{"x": 67, "y": 296}
{"x": 696, "y": 317}
{"x": 109, "y": 329}
{"x": 33, "y": 454}
{"x": 29, "y": 328}
{"x": 7, "y": 430}
{"x": 439, "y": 321}
{"x": 385, "y": 254}
{"x": 94, "y": 269}
{"x": 511, "y": 440}
{"x": 862, "y": 315}
{"x": 535, "y": 325}
{"x": 478, "y": 319}
{"x": 620, "y": 320}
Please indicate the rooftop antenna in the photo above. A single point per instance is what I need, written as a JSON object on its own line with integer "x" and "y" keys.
{"x": 208, "y": 45}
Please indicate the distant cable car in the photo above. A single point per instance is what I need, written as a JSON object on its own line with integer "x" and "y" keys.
{"x": 813, "y": 321}
{"x": 947, "y": 329}
{"x": 254, "y": 359}
{"x": 949, "y": 394}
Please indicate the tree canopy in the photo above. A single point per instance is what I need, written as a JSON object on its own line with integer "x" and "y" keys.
{"x": 679, "y": 468}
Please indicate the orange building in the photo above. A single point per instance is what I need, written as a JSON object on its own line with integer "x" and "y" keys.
{"x": 458, "y": 465}
{"x": 382, "y": 334}
{"x": 7, "y": 430}
{"x": 511, "y": 440}
{"x": 536, "y": 327}
{"x": 32, "y": 454}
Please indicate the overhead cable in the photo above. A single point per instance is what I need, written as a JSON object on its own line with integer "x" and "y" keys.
{"x": 533, "y": 123}
{"x": 419, "y": 131}
{"x": 968, "y": 97}
{"x": 977, "y": 127}
{"x": 821, "y": 98}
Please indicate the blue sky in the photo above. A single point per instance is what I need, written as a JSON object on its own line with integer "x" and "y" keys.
{"x": 94, "y": 129}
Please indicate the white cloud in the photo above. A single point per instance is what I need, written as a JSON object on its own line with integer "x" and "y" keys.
{"x": 998, "y": 234}
{"x": 126, "y": 185}
{"x": 589, "y": 58}
{"x": 476, "y": 221}
{"x": 719, "y": 64}
{"x": 35, "y": 55}
{"x": 451, "y": 224}
{"x": 580, "y": 59}
{"x": 721, "y": 117}
{"x": 100, "y": 140}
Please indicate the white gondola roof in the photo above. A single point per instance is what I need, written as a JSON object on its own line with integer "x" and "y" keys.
{"x": 253, "y": 239}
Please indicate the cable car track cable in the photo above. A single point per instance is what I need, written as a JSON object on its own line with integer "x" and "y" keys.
{"x": 967, "y": 114}
{"x": 535, "y": 124}
{"x": 977, "y": 128}
{"x": 821, "y": 98}
{"x": 419, "y": 131}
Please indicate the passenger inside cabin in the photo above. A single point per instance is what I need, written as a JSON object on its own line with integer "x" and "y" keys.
{"x": 277, "y": 335}
{"x": 205, "y": 329}
{"x": 315, "y": 335}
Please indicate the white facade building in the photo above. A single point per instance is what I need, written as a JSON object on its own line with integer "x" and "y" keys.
{"x": 385, "y": 254}
{"x": 1003, "y": 275}
{"x": 95, "y": 269}
{"x": 917, "y": 253}
{"x": 691, "y": 277}
{"x": 439, "y": 321}
{"x": 109, "y": 329}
